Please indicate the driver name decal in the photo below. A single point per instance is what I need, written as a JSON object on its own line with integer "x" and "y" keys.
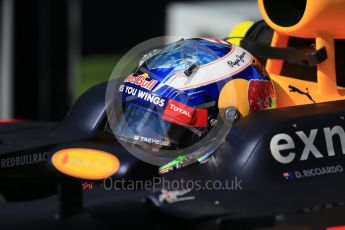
{"x": 313, "y": 172}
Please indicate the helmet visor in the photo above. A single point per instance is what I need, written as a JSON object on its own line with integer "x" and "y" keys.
{"x": 151, "y": 130}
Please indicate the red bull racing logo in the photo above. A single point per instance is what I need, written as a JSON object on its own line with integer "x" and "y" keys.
{"x": 141, "y": 80}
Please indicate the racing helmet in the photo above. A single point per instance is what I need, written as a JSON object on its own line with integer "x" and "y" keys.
{"x": 179, "y": 104}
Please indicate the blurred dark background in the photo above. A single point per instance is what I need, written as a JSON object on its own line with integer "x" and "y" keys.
{"x": 50, "y": 35}
{"x": 53, "y": 50}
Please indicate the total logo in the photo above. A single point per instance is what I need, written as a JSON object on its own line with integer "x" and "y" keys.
{"x": 180, "y": 110}
{"x": 182, "y": 114}
{"x": 141, "y": 80}
{"x": 283, "y": 147}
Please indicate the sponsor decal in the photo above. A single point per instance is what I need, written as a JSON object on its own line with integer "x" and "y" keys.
{"x": 121, "y": 88}
{"x": 296, "y": 90}
{"x": 153, "y": 99}
{"x": 175, "y": 196}
{"x": 178, "y": 113}
{"x": 282, "y": 145}
{"x": 87, "y": 185}
{"x": 260, "y": 95}
{"x": 180, "y": 109}
{"x": 25, "y": 159}
{"x": 314, "y": 172}
{"x": 88, "y": 164}
{"x": 143, "y": 95}
{"x": 152, "y": 140}
{"x": 142, "y": 81}
{"x": 238, "y": 61}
